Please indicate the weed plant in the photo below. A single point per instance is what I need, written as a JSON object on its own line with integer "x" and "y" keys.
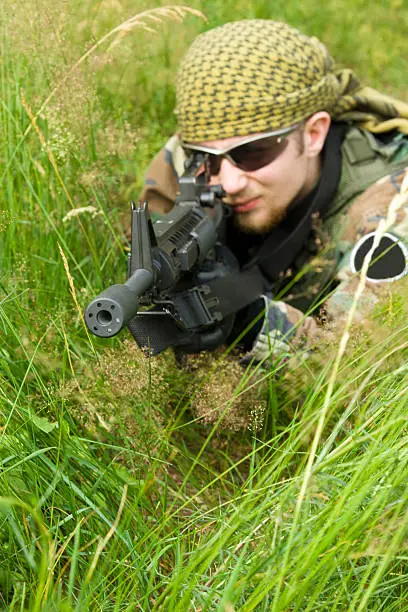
{"x": 132, "y": 484}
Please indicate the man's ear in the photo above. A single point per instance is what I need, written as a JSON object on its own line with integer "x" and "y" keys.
{"x": 315, "y": 132}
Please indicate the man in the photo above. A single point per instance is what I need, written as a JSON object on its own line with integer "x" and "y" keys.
{"x": 309, "y": 161}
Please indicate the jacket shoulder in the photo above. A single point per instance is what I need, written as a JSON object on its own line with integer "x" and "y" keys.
{"x": 161, "y": 180}
{"x": 365, "y": 160}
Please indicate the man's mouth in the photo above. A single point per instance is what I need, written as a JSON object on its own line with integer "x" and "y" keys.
{"x": 243, "y": 207}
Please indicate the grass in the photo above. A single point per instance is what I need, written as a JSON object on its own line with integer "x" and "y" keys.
{"x": 131, "y": 484}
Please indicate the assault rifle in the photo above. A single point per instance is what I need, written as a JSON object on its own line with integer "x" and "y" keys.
{"x": 182, "y": 282}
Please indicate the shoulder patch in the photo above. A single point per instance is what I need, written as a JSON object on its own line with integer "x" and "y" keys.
{"x": 389, "y": 262}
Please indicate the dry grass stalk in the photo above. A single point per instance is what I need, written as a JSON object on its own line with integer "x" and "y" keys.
{"x": 399, "y": 200}
{"x": 176, "y": 13}
{"x": 73, "y": 293}
{"x": 33, "y": 119}
{"x": 108, "y": 536}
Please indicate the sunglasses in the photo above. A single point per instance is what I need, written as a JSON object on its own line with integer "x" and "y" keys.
{"x": 249, "y": 155}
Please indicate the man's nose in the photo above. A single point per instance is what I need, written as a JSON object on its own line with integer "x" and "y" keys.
{"x": 232, "y": 179}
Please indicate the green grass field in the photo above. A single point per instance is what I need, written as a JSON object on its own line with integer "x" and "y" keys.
{"x": 127, "y": 483}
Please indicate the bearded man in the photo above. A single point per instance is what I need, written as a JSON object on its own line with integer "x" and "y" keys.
{"x": 309, "y": 161}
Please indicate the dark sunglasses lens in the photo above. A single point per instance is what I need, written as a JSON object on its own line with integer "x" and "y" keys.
{"x": 248, "y": 157}
{"x": 256, "y": 155}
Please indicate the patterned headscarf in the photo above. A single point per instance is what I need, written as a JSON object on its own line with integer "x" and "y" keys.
{"x": 258, "y": 75}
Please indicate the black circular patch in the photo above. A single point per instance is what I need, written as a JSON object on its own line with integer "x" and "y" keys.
{"x": 388, "y": 262}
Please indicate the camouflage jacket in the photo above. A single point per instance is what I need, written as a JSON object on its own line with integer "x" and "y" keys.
{"x": 326, "y": 271}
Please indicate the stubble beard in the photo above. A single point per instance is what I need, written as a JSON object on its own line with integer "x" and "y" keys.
{"x": 248, "y": 224}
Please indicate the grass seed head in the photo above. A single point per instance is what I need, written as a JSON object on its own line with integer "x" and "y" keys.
{"x": 219, "y": 395}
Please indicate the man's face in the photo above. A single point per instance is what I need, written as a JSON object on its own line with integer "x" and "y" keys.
{"x": 260, "y": 198}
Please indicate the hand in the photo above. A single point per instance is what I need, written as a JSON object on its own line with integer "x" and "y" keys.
{"x": 271, "y": 334}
